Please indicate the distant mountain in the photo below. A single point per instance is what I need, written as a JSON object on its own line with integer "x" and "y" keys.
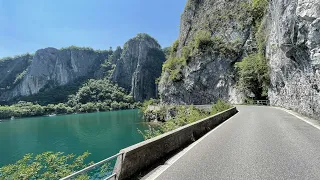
{"x": 51, "y": 75}
{"x": 139, "y": 66}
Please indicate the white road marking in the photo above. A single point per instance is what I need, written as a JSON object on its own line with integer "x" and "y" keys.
{"x": 175, "y": 158}
{"x": 299, "y": 117}
{"x": 171, "y": 161}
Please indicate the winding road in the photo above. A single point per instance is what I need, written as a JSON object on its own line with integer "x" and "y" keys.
{"x": 256, "y": 143}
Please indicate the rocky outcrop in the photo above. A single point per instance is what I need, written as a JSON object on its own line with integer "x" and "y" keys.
{"x": 293, "y": 50}
{"x": 135, "y": 67}
{"x": 106, "y": 69}
{"x": 140, "y": 64}
{"x": 51, "y": 67}
{"x": 209, "y": 72}
{"x": 292, "y": 32}
{"x": 12, "y": 71}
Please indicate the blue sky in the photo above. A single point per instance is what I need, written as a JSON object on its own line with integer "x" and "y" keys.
{"x": 28, "y": 25}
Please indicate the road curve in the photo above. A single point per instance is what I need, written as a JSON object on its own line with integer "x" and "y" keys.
{"x": 256, "y": 143}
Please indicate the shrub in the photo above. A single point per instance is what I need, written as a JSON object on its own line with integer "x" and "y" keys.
{"x": 47, "y": 165}
{"x": 115, "y": 105}
{"x": 253, "y": 72}
{"x": 183, "y": 115}
{"x": 259, "y": 8}
{"x": 175, "y": 46}
{"x": 220, "y": 106}
{"x": 174, "y": 66}
{"x": 61, "y": 108}
{"x": 202, "y": 40}
{"x": 20, "y": 77}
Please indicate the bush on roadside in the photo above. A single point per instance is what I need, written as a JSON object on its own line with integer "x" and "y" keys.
{"x": 220, "y": 106}
{"x": 47, "y": 165}
{"x": 183, "y": 115}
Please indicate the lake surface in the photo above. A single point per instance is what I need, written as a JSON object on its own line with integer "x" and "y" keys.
{"x": 102, "y": 134}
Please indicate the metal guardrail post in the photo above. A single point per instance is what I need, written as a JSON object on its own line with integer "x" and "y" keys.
{"x": 111, "y": 176}
{"x": 262, "y": 102}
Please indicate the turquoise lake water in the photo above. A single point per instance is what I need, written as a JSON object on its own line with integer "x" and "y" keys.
{"x": 102, "y": 134}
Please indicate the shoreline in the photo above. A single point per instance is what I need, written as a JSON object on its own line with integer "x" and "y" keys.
{"x": 48, "y": 115}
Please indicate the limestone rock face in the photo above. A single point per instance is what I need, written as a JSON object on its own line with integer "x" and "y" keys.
{"x": 11, "y": 69}
{"x": 293, "y": 50}
{"x": 209, "y": 75}
{"x": 139, "y": 66}
{"x": 51, "y": 67}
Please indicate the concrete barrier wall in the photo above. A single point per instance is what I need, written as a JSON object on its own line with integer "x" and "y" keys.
{"x": 142, "y": 156}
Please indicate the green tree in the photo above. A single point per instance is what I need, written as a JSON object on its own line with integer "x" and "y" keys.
{"x": 47, "y": 165}
{"x": 219, "y": 106}
{"x": 61, "y": 108}
{"x": 253, "y": 74}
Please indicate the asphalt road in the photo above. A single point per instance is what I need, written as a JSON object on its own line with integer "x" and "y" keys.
{"x": 257, "y": 143}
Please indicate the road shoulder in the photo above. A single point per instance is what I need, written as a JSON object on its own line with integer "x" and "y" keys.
{"x": 312, "y": 122}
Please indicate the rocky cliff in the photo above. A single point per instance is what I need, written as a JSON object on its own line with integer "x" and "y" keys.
{"x": 12, "y": 70}
{"x": 139, "y": 66}
{"x": 37, "y": 77}
{"x": 293, "y": 50}
{"x": 213, "y": 36}
{"x": 51, "y": 68}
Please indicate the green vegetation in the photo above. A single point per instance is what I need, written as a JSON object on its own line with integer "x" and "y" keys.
{"x": 52, "y": 94}
{"x": 191, "y": 3}
{"x": 259, "y": 8}
{"x": 174, "y": 65}
{"x": 144, "y": 36}
{"x": 15, "y": 57}
{"x": 182, "y": 115}
{"x": 147, "y": 103}
{"x": 175, "y": 46}
{"x": 242, "y": 15}
{"x": 86, "y": 49}
{"x": 20, "y": 77}
{"x": 202, "y": 42}
{"x": 107, "y": 67}
{"x": 253, "y": 74}
{"x": 15, "y": 68}
{"x": 167, "y": 51}
{"x": 22, "y": 109}
{"x": 47, "y": 165}
{"x": 253, "y": 70}
{"x": 140, "y": 37}
{"x": 100, "y": 91}
{"x": 93, "y": 96}
{"x": 219, "y": 106}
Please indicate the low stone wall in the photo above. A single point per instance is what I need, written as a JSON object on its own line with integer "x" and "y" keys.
{"x": 142, "y": 156}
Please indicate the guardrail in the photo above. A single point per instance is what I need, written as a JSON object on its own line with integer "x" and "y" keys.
{"x": 262, "y": 102}
{"x": 138, "y": 157}
{"x": 143, "y": 156}
{"x": 94, "y": 166}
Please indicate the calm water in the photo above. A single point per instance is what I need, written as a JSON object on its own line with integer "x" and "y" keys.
{"x": 102, "y": 134}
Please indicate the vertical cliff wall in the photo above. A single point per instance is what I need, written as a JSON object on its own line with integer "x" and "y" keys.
{"x": 51, "y": 67}
{"x": 213, "y": 36}
{"x": 12, "y": 71}
{"x": 135, "y": 68}
{"x": 139, "y": 66}
{"x": 293, "y": 50}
